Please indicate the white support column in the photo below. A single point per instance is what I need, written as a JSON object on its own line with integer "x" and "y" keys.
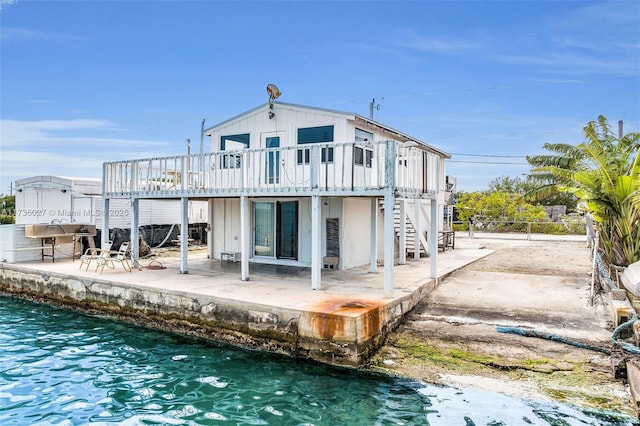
{"x": 433, "y": 241}
{"x": 402, "y": 246}
{"x": 435, "y": 218}
{"x": 316, "y": 243}
{"x": 418, "y": 225}
{"x": 244, "y": 238}
{"x": 135, "y": 232}
{"x": 106, "y": 179}
{"x": 104, "y": 234}
{"x": 390, "y": 160}
{"x": 373, "y": 263}
{"x": 184, "y": 234}
{"x": 210, "y": 228}
{"x": 389, "y": 238}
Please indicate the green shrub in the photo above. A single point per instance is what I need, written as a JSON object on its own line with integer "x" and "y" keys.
{"x": 6, "y": 219}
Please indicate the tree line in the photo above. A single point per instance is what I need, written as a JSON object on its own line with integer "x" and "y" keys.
{"x": 599, "y": 177}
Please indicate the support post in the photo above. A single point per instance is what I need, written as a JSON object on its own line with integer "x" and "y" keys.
{"x": 135, "y": 232}
{"x": 210, "y": 206}
{"x": 316, "y": 243}
{"x": 104, "y": 235}
{"x": 389, "y": 237}
{"x": 433, "y": 242}
{"x": 418, "y": 227}
{"x": 390, "y": 160}
{"x": 184, "y": 234}
{"x": 244, "y": 238}
{"x": 373, "y": 262}
{"x": 402, "y": 243}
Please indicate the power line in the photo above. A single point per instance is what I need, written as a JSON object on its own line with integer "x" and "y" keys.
{"x": 487, "y": 162}
{"x": 487, "y": 155}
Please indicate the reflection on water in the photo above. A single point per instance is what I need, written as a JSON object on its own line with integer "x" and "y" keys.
{"x": 61, "y": 367}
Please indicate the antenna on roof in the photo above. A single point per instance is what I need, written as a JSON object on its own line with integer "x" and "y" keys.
{"x": 274, "y": 93}
{"x": 372, "y": 106}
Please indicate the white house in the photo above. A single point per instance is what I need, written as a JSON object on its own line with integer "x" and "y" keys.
{"x": 297, "y": 185}
{"x": 70, "y": 202}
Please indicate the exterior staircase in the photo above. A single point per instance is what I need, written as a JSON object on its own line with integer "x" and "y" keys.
{"x": 410, "y": 233}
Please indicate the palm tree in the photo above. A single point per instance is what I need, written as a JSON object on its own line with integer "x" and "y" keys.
{"x": 604, "y": 173}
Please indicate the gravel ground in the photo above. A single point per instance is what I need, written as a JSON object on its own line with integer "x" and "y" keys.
{"x": 451, "y": 338}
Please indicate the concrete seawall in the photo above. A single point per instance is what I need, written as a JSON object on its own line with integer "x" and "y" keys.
{"x": 340, "y": 329}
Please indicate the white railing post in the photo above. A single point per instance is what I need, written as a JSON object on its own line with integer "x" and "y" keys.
{"x": 390, "y": 162}
{"x": 314, "y": 166}
{"x": 244, "y": 170}
{"x": 184, "y": 170}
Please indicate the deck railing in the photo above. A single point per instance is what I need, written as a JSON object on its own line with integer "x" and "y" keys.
{"x": 328, "y": 168}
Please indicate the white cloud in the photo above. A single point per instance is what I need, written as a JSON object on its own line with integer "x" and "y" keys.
{"x": 19, "y": 164}
{"x": 21, "y": 34}
{"x": 64, "y": 148}
{"x": 58, "y": 134}
{"x": 441, "y": 44}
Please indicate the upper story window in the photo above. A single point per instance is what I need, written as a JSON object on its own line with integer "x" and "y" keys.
{"x": 362, "y": 155}
{"x": 318, "y": 134}
{"x": 233, "y": 143}
{"x": 363, "y": 136}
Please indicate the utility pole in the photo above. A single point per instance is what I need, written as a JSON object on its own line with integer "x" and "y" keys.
{"x": 620, "y": 132}
{"x": 372, "y": 106}
{"x": 202, "y": 137}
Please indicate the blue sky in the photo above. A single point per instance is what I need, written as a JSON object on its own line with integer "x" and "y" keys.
{"x": 83, "y": 82}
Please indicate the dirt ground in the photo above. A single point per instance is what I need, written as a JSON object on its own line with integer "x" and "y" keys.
{"x": 452, "y": 338}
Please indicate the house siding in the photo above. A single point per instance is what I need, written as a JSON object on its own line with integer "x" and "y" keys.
{"x": 286, "y": 122}
{"x": 356, "y": 232}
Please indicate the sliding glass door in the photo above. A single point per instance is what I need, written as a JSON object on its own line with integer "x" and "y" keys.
{"x": 287, "y": 226}
{"x": 276, "y": 229}
{"x": 264, "y": 231}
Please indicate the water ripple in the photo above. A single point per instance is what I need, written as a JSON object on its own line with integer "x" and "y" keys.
{"x": 59, "y": 367}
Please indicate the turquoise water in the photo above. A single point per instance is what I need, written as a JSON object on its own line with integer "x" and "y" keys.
{"x": 64, "y": 368}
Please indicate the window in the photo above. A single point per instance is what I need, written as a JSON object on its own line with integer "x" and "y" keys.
{"x": 309, "y": 135}
{"x": 233, "y": 143}
{"x": 362, "y": 156}
{"x": 363, "y": 136}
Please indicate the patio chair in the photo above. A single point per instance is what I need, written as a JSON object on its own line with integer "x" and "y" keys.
{"x": 120, "y": 257}
{"x": 93, "y": 253}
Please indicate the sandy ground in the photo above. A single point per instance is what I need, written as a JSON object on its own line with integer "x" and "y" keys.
{"x": 451, "y": 338}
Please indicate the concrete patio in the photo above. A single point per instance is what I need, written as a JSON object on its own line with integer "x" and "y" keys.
{"x": 342, "y": 323}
